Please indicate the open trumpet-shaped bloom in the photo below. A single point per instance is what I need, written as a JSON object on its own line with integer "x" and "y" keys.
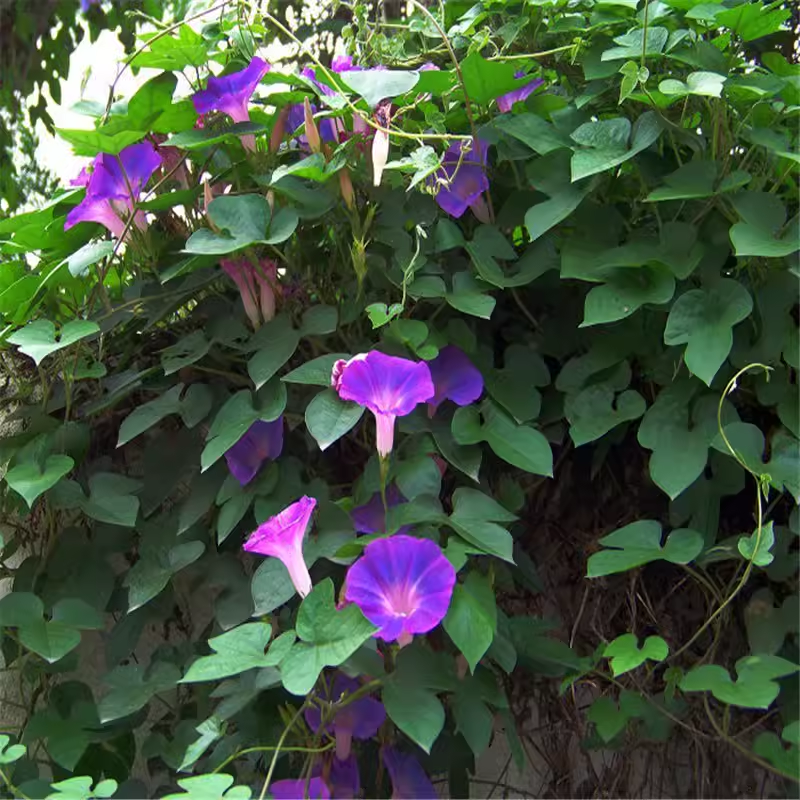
{"x": 409, "y": 780}
{"x": 256, "y": 286}
{"x": 506, "y": 102}
{"x": 360, "y": 719}
{"x": 462, "y": 178}
{"x": 263, "y": 441}
{"x": 389, "y": 387}
{"x": 371, "y": 517}
{"x": 231, "y": 93}
{"x": 403, "y": 585}
{"x": 282, "y": 537}
{"x": 314, "y": 789}
{"x": 113, "y": 185}
{"x": 455, "y": 378}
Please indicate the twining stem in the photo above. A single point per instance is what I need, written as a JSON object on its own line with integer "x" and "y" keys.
{"x": 278, "y": 750}
{"x": 745, "y": 751}
{"x": 270, "y": 749}
{"x": 759, "y": 511}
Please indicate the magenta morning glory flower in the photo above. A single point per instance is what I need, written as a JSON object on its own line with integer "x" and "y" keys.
{"x": 357, "y": 720}
{"x": 314, "y": 789}
{"x": 256, "y": 286}
{"x": 389, "y": 387}
{"x": 409, "y": 780}
{"x": 506, "y": 102}
{"x": 282, "y": 537}
{"x": 462, "y": 179}
{"x": 401, "y": 584}
{"x": 113, "y": 186}
{"x": 455, "y": 378}
{"x": 263, "y": 441}
{"x": 371, "y": 517}
{"x": 231, "y": 93}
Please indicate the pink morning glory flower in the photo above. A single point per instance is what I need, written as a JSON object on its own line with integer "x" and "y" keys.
{"x": 462, "y": 179}
{"x": 371, "y": 517}
{"x": 113, "y": 186}
{"x": 409, "y": 780}
{"x": 455, "y": 378}
{"x": 506, "y": 102}
{"x": 314, "y": 789}
{"x": 403, "y": 585}
{"x": 256, "y": 286}
{"x": 389, "y": 387}
{"x": 263, "y": 441}
{"x": 282, "y": 537}
{"x": 357, "y": 720}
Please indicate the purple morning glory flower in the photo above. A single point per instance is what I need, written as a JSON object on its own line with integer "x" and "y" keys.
{"x": 282, "y": 537}
{"x": 344, "y": 64}
{"x": 87, "y": 4}
{"x": 263, "y": 441}
{"x": 256, "y": 286}
{"x": 82, "y": 178}
{"x": 296, "y": 119}
{"x": 389, "y": 387}
{"x": 360, "y": 719}
{"x": 462, "y": 178}
{"x": 344, "y": 778}
{"x": 409, "y": 780}
{"x": 371, "y": 517}
{"x": 314, "y": 789}
{"x": 403, "y": 585}
{"x": 506, "y": 102}
{"x": 231, "y": 93}
{"x": 113, "y": 186}
{"x": 455, "y": 378}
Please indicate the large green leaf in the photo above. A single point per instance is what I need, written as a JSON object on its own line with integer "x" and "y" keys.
{"x": 376, "y": 85}
{"x": 199, "y": 138}
{"x": 236, "y": 416}
{"x": 485, "y": 80}
{"x": 754, "y": 687}
{"x": 607, "y": 143}
{"x": 640, "y": 543}
{"x": 416, "y": 711}
{"x": 328, "y": 418}
{"x": 625, "y": 654}
{"x": 276, "y": 342}
{"x": 235, "y": 651}
{"x": 38, "y": 339}
{"x": 763, "y": 230}
{"x": 595, "y": 410}
{"x": 193, "y": 407}
{"x": 242, "y": 220}
{"x": 327, "y": 637}
{"x": 703, "y": 320}
{"x": 471, "y": 620}
{"x": 520, "y": 445}
{"x": 32, "y": 480}
{"x": 132, "y": 688}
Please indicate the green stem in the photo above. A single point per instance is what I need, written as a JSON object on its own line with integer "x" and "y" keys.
{"x": 278, "y": 750}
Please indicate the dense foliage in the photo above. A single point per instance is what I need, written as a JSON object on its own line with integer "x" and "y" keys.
{"x": 529, "y": 240}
